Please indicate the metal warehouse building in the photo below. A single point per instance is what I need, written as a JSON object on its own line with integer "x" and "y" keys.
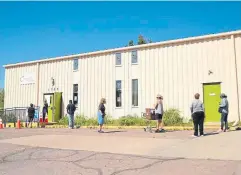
{"x": 130, "y": 77}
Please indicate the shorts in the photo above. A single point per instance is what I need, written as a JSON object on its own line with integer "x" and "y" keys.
{"x": 159, "y": 117}
{"x": 30, "y": 119}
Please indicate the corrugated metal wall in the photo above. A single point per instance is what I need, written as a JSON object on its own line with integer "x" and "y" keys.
{"x": 62, "y": 73}
{"x": 177, "y": 71}
{"x": 17, "y": 95}
{"x": 238, "y": 58}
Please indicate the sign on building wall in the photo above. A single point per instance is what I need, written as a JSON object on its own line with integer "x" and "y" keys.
{"x": 27, "y": 78}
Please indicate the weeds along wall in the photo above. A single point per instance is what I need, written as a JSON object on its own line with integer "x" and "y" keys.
{"x": 175, "y": 69}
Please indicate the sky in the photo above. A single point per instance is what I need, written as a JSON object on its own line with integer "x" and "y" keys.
{"x": 38, "y": 30}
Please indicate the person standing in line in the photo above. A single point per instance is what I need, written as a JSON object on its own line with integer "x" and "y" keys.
{"x": 101, "y": 114}
{"x": 70, "y": 111}
{"x": 31, "y": 113}
{"x": 197, "y": 110}
{"x": 45, "y": 110}
{"x": 159, "y": 113}
{"x": 223, "y": 109}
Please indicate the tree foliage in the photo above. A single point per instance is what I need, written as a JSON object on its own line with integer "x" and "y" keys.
{"x": 131, "y": 43}
{"x": 1, "y": 98}
{"x": 140, "y": 40}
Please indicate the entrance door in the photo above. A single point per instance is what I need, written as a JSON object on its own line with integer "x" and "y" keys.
{"x": 211, "y": 101}
{"x": 54, "y": 101}
{"x": 49, "y": 99}
{"x": 57, "y": 106}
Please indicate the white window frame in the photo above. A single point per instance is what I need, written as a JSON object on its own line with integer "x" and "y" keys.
{"x": 134, "y": 63}
{"x": 118, "y": 65}
{"x": 74, "y": 68}
{"x": 132, "y": 91}
{"x": 116, "y": 94}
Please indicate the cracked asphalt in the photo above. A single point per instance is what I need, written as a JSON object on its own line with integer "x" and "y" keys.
{"x": 122, "y": 152}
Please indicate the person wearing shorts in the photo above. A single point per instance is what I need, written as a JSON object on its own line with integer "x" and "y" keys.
{"x": 159, "y": 113}
{"x": 31, "y": 112}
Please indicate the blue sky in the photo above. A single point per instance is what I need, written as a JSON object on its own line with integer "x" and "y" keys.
{"x": 36, "y": 30}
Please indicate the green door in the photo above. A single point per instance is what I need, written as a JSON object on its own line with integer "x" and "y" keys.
{"x": 57, "y": 106}
{"x": 50, "y": 110}
{"x": 211, "y": 101}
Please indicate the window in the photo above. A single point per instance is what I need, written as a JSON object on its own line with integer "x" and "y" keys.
{"x": 134, "y": 58}
{"x": 118, "y": 59}
{"x": 118, "y": 94}
{"x": 76, "y": 64}
{"x": 134, "y": 92}
{"x": 75, "y": 94}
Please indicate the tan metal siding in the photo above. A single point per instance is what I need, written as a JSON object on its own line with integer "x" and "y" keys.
{"x": 183, "y": 68}
{"x": 238, "y": 59}
{"x": 62, "y": 72}
{"x": 18, "y": 95}
{"x": 177, "y": 71}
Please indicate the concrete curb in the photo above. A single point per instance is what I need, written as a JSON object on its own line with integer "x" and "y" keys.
{"x": 173, "y": 128}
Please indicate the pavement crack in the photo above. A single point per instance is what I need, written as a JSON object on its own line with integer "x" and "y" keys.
{"x": 145, "y": 167}
{"x": 135, "y": 169}
{"x": 3, "y": 159}
{"x": 98, "y": 170}
{"x": 82, "y": 159}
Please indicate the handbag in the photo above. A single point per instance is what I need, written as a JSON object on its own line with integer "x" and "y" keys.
{"x": 220, "y": 109}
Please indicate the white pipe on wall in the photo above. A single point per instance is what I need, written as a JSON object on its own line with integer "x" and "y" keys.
{"x": 236, "y": 74}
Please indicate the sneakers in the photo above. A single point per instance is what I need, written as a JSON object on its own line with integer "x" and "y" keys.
{"x": 220, "y": 130}
{"x": 100, "y": 131}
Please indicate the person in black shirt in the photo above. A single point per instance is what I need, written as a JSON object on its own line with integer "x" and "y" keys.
{"x": 101, "y": 114}
{"x": 31, "y": 112}
{"x": 45, "y": 110}
{"x": 70, "y": 111}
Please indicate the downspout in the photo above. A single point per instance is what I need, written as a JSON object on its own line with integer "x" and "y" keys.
{"x": 37, "y": 84}
{"x": 236, "y": 75}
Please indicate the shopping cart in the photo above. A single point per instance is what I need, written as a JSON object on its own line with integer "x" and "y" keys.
{"x": 149, "y": 115}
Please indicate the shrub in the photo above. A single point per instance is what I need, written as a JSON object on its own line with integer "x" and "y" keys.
{"x": 172, "y": 117}
{"x": 110, "y": 121}
{"x": 131, "y": 121}
{"x": 64, "y": 121}
{"x": 91, "y": 121}
{"x": 80, "y": 120}
{"x": 9, "y": 118}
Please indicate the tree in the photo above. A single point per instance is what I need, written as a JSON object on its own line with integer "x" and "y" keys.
{"x": 141, "y": 40}
{"x": 131, "y": 43}
{"x": 1, "y": 98}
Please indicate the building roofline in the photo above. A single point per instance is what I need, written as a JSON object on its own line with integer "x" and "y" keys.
{"x": 176, "y": 41}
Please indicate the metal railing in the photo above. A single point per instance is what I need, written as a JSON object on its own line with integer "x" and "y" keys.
{"x": 10, "y": 115}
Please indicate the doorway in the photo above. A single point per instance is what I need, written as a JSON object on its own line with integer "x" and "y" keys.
{"x": 54, "y": 101}
{"x": 211, "y": 99}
